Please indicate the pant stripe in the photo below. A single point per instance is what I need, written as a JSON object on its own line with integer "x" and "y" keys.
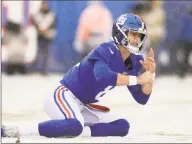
{"x": 61, "y": 104}
{"x": 68, "y": 104}
{"x": 55, "y": 99}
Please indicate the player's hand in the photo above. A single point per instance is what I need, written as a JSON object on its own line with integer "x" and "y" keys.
{"x": 145, "y": 78}
{"x": 149, "y": 64}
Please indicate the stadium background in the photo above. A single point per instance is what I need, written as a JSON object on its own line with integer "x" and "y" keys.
{"x": 62, "y": 56}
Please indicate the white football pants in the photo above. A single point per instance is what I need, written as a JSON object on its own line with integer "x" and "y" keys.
{"x": 62, "y": 104}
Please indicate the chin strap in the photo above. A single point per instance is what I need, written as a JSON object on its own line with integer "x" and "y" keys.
{"x": 133, "y": 49}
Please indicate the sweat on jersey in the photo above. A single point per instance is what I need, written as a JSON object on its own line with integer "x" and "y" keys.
{"x": 83, "y": 83}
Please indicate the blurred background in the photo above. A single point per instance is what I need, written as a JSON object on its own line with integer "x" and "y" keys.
{"x": 51, "y": 36}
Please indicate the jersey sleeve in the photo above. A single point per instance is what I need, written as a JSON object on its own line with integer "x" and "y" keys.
{"x": 100, "y": 53}
{"x": 136, "y": 90}
{"x": 138, "y": 66}
{"x": 103, "y": 74}
{"x": 138, "y": 95}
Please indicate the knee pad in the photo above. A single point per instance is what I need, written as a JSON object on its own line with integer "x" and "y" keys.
{"x": 60, "y": 128}
{"x": 122, "y": 126}
{"x": 75, "y": 127}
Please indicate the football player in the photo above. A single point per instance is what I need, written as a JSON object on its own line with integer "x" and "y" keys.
{"x": 71, "y": 106}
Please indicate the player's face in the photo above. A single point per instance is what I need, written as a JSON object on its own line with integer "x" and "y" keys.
{"x": 134, "y": 38}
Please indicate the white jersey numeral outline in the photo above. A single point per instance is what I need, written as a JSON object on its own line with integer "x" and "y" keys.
{"x": 103, "y": 92}
{"x": 77, "y": 64}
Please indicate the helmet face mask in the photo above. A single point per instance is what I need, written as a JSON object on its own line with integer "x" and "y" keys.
{"x": 134, "y": 43}
{"x": 130, "y": 31}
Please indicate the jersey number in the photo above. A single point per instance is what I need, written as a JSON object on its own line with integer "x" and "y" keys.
{"x": 100, "y": 94}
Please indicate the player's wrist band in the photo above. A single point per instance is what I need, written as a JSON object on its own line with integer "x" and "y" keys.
{"x": 132, "y": 80}
{"x": 153, "y": 76}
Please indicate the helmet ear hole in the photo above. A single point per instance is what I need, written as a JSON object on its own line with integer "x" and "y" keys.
{"x": 142, "y": 36}
{"x": 127, "y": 32}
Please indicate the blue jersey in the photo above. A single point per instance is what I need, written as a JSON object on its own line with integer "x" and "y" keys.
{"x": 81, "y": 80}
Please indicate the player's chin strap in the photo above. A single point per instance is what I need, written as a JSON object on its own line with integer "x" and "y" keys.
{"x": 133, "y": 49}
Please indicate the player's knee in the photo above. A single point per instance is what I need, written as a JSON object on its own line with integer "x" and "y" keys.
{"x": 123, "y": 127}
{"x": 58, "y": 128}
{"x": 75, "y": 128}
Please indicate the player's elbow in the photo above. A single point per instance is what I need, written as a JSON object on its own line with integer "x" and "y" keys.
{"x": 103, "y": 79}
{"x": 142, "y": 102}
{"x": 142, "y": 99}
{"x": 107, "y": 77}
{"x": 100, "y": 79}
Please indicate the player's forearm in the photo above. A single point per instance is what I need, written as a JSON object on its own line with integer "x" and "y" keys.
{"x": 147, "y": 88}
{"x": 103, "y": 74}
{"x": 122, "y": 80}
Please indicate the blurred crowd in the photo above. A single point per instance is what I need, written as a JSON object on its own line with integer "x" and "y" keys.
{"x": 15, "y": 40}
{"x": 38, "y": 46}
